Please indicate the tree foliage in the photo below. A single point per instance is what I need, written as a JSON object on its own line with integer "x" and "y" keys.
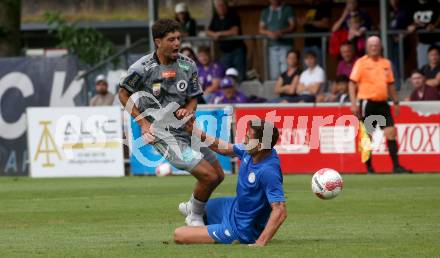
{"x": 88, "y": 44}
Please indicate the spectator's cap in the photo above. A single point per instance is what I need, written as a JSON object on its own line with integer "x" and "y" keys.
{"x": 181, "y": 8}
{"x": 226, "y": 83}
{"x": 100, "y": 78}
{"x": 231, "y": 72}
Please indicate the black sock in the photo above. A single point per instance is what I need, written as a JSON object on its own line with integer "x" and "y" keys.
{"x": 368, "y": 163}
{"x": 392, "y": 149}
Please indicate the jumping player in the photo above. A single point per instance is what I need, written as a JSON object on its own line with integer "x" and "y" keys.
{"x": 167, "y": 78}
{"x": 255, "y": 214}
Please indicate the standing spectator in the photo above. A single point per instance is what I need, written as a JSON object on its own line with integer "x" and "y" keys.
{"x": 356, "y": 35}
{"x": 187, "y": 23}
{"x": 317, "y": 19}
{"x": 288, "y": 81}
{"x": 210, "y": 72}
{"x": 426, "y": 16}
{"x": 338, "y": 92}
{"x": 371, "y": 81}
{"x": 348, "y": 58}
{"x": 432, "y": 69}
{"x": 227, "y": 23}
{"x": 228, "y": 93}
{"x": 352, "y": 9}
{"x": 310, "y": 80}
{"x": 277, "y": 20}
{"x": 421, "y": 90}
{"x": 102, "y": 97}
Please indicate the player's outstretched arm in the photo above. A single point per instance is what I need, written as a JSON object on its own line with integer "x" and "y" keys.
{"x": 215, "y": 144}
{"x": 277, "y": 216}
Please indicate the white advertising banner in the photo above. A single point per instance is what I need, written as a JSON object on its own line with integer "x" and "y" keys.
{"x": 75, "y": 142}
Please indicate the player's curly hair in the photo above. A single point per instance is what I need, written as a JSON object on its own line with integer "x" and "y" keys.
{"x": 164, "y": 26}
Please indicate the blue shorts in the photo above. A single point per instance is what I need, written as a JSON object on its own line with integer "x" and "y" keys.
{"x": 218, "y": 211}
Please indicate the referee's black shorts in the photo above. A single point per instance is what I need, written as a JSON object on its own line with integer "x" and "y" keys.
{"x": 376, "y": 108}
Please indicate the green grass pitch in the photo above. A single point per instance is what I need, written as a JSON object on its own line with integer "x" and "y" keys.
{"x": 375, "y": 216}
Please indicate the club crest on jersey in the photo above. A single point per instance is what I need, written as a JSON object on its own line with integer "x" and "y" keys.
{"x": 156, "y": 89}
{"x": 182, "y": 85}
{"x": 251, "y": 177}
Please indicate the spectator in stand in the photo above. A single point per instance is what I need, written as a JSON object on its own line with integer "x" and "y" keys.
{"x": 427, "y": 17}
{"x": 432, "y": 69}
{"x": 288, "y": 81}
{"x": 228, "y": 93}
{"x": 103, "y": 97}
{"x": 310, "y": 80}
{"x": 421, "y": 90}
{"x": 277, "y": 20}
{"x": 348, "y": 60}
{"x": 338, "y": 92}
{"x": 352, "y": 9}
{"x": 189, "y": 52}
{"x": 355, "y": 35}
{"x": 187, "y": 23}
{"x": 224, "y": 23}
{"x": 317, "y": 19}
{"x": 210, "y": 72}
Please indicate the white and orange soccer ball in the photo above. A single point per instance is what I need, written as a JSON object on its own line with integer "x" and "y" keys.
{"x": 327, "y": 183}
{"x": 164, "y": 169}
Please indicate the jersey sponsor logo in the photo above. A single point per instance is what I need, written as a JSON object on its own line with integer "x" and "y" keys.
{"x": 168, "y": 74}
{"x": 251, "y": 177}
{"x": 156, "y": 89}
{"x": 132, "y": 80}
{"x": 182, "y": 85}
{"x": 184, "y": 65}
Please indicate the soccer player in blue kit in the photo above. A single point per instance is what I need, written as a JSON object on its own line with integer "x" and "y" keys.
{"x": 255, "y": 214}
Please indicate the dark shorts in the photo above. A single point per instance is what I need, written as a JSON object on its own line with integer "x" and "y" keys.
{"x": 376, "y": 112}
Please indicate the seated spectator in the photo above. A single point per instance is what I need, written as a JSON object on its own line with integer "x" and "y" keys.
{"x": 228, "y": 93}
{"x": 102, "y": 97}
{"x": 352, "y": 9}
{"x": 275, "y": 21}
{"x": 432, "y": 69}
{"x": 338, "y": 92}
{"x": 310, "y": 80}
{"x": 421, "y": 90}
{"x": 348, "y": 59}
{"x": 316, "y": 19}
{"x": 210, "y": 72}
{"x": 287, "y": 82}
{"x": 189, "y": 52}
{"x": 187, "y": 23}
{"x": 225, "y": 23}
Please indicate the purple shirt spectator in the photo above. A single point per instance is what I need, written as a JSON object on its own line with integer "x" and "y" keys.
{"x": 426, "y": 93}
{"x": 228, "y": 94}
{"x": 206, "y": 75}
{"x": 344, "y": 68}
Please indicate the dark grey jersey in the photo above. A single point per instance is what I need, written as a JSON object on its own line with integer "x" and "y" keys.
{"x": 177, "y": 82}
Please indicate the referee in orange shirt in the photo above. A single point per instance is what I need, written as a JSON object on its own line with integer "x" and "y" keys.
{"x": 371, "y": 84}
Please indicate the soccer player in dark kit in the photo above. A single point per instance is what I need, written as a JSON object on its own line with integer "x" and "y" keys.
{"x": 169, "y": 79}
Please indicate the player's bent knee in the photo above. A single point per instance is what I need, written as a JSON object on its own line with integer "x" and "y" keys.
{"x": 179, "y": 236}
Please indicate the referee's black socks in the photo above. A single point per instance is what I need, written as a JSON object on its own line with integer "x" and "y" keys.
{"x": 392, "y": 149}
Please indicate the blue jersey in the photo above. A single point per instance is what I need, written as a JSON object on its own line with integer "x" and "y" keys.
{"x": 258, "y": 186}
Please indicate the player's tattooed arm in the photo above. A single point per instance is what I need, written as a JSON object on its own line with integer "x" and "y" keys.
{"x": 277, "y": 217}
{"x": 215, "y": 144}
